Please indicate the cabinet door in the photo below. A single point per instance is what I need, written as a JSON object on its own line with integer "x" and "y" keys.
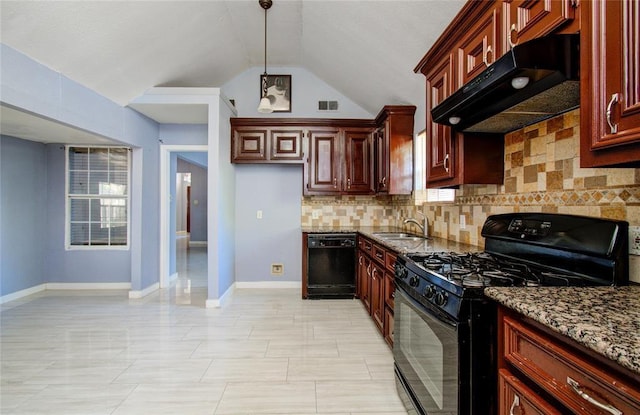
{"x": 249, "y": 145}
{"x": 388, "y": 326}
{"x": 529, "y": 19}
{"x": 365, "y": 296}
{"x": 286, "y": 145}
{"x": 324, "y": 161}
{"x": 610, "y": 83}
{"x": 377, "y": 296}
{"x": 381, "y": 143}
{"x": 358, "y": 176}
{"x": 440, "y": 149}
{"x": 479, "y": 48}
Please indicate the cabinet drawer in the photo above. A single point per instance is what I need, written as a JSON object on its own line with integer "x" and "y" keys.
{"x": 390, "y": 261}
{"x": 378, "y": 254}
{"x": 365, "y": 245}
{"x": 515, "y": 397}
{"x": 555, "y": 367}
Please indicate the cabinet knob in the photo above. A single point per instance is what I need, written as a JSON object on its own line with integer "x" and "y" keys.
{"x": 614, "y": 100}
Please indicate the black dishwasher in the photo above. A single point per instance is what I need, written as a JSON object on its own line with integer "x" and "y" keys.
{"x": 331, "y": 262}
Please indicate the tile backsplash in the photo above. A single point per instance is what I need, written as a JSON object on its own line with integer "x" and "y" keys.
{"x": 542, "y": 173}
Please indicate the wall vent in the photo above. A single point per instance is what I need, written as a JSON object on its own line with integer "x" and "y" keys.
{"x": 327, "y": 105}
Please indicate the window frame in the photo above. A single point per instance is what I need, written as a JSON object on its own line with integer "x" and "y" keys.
{"x": 69, "y": 197}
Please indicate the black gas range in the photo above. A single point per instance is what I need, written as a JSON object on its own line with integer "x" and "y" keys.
{"x": 445, "y": 327}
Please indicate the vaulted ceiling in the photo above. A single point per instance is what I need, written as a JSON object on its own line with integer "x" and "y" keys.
{"x": 366, "y": 49}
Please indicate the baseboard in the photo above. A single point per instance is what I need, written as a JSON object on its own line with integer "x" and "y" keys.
{"x": 173, "y": 277}
{"x": 197, "y": 243}
{"x": 22, "y": 293}
{"x": 142, "y": 293}
{"x": 268, "y": 284}
{"x": 54, "y": 286}
{"x": 88, "y": 285}
{"x": 224, "y": 298}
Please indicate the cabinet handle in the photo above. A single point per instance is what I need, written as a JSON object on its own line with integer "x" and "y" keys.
{"x": 485, "y": 59}
{"x": 515, "y": 404}
{"x": 511, "y": 32}
{"x": 605, "y": 407}
{"x": 369, "y": 270}
{"x": 446, "y": 163}
{"x": 348, "y": 183}
{"x": 335, "y": 182}
{"x": 614, "y": 100}
{"x": 384, "y": 181}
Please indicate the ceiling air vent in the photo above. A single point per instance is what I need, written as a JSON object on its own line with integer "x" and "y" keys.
{"x": 327, "y": 105}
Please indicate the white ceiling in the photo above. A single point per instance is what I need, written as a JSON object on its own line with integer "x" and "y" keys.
{"x": 366, "y": 49}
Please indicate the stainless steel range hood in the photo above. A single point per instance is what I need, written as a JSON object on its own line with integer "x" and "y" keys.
{"x": 533, "y": 81}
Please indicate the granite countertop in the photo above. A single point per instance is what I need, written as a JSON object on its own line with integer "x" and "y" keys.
{"x": 431, "y": 244}
{"x": 603, "y": 319}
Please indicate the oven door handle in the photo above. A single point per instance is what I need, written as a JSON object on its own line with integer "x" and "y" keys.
{"x": 427, "y": 311}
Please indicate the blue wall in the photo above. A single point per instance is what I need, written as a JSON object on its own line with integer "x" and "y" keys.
{"x": 32, "y": 87}
{"x": 23, "y": 203}
{"x": 199, "y": 193}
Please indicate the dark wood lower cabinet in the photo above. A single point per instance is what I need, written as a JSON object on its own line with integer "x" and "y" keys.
{"x": 542, "y": 372}
{"x": 375, "y": 284}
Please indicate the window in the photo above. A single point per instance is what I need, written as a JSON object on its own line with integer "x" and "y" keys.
{"x": 97, "y": 197}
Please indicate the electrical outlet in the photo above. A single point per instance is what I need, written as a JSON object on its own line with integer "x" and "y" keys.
{"x": 463, "y": 222}
{"x": 277, "y": 269}
{"x": 259, "y": 214}
{"x": 315, "y": 214}
{"x": 634, "y": 240}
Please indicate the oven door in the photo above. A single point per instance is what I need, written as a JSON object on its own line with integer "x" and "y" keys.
{"x": 426, "y": 353}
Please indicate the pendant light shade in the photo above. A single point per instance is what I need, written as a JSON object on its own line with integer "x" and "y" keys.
{"x": 265, "y": 106}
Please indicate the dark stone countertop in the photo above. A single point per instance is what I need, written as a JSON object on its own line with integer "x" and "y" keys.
{"x": 603, "y": 319}
{"x": 402, "y": 247}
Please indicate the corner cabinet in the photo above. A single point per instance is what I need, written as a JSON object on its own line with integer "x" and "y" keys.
{"x": 393, "y": 150}
{"x": 610, "y": 83}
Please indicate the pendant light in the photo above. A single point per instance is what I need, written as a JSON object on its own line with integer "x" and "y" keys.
{"x": 265, "y": 104}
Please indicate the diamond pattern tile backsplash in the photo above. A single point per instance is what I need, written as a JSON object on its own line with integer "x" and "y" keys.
{"x": 542, "y": 174}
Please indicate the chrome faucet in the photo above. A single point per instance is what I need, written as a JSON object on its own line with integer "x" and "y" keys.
{"x": 424, "y": 227}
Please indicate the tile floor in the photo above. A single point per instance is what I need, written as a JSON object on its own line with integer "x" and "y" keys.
{"x": 265, "y": 352}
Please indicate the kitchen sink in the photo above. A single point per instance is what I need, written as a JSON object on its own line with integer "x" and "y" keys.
{"x": 399, "y": 236}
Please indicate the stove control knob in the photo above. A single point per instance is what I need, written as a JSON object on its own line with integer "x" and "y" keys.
{"x": 414, "y": 281}
{"x": 430, "y": 291}
{"x": 440, "y": 298}
{"x": 401, "y": 272}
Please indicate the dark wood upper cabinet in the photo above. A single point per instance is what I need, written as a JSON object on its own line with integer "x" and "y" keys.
{"x": 528, "y": 19}
{"x": 249, "y": 145}
{"x": 440, "y": 145}
{"x": 323, "y": 171}
{"x": 479, "y": 48}
{"x": 393, "y": 142}
{"x": 358, "y": 166}
{"x": 287, "y": 144}
{"x": 610, "y": 83}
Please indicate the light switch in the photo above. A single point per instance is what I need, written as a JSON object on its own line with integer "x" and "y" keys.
{"x": 259, "y": 214}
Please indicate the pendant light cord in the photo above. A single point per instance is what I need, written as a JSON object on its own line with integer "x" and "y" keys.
{"x": 265, "y": 41}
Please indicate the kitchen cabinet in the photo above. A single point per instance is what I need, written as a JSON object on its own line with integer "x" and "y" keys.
{"x": 376, "y": 285}
{"x": 558, "y": 373}
{"x": 339, "y": 162}
{"x": 266, "y": 144}
{"x": 529, "y": 19}
{"x": 479, "y": 47}
{"x": 393, "y": 148}
{"x": 609, "y": 83}
{"x": 454, "y": 158}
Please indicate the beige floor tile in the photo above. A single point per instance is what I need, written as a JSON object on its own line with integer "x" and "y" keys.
{"x": 302, "y": 348}
{"x": 164, "y": 371}
{"x": 327, "y": 368}
{"x": 268, "y": 397}
{"x": 363, "y": 396}
{"x": 256, "y": 370}
{"x": 172, "y": 398}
